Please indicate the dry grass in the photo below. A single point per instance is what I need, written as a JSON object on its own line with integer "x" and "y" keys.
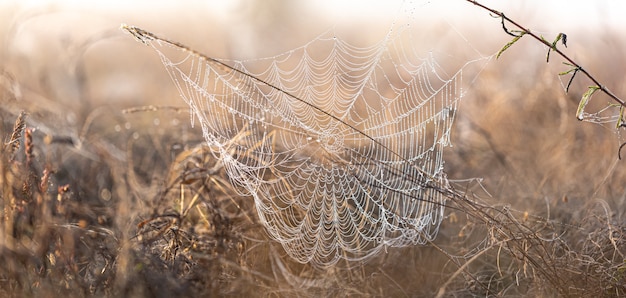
{"x": 115, "y": 204}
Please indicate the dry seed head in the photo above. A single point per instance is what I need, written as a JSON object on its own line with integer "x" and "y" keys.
{"x": 18, "y": 128}
{"x": 139, "y": 34}
{"x": 28, "y": 144}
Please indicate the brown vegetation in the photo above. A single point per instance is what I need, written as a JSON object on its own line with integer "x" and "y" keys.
{"x": 98, "y": 200}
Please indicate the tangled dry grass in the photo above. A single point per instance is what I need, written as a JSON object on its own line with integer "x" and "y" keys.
{"x": 116, "y": 202}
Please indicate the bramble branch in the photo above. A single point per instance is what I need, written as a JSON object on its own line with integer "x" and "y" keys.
{"x": 576, "y": 68}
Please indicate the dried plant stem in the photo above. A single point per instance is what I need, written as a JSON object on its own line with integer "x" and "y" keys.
{"x": 18, "y": 129}
{"x": 576, "y": 66}
{"x": 462, "y": 269}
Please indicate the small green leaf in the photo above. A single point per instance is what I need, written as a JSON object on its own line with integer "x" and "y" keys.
{"x": 553, "y": 46}
{"x": 558, "y": 37}
{"x": 509, "y": 44}
{"x": 573, "y": 70}
{"x": 585, "y": 100}
{"x": 568, "y": 71}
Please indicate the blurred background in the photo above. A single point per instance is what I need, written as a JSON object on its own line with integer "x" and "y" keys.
{"x": 74, "y": 52}
{"x": 73, "y": 70}
{"x": 51, "y": 40}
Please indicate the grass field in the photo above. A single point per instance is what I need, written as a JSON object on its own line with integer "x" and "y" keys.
{"x": 101, "y": 200}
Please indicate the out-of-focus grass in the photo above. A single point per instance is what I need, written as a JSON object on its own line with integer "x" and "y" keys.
{"x": 97, "y": 201}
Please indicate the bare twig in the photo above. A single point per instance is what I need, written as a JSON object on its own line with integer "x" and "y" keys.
{"x": 552, "y": 47}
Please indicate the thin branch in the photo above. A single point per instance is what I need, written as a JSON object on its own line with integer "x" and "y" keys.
{"x": 527, "y": 31}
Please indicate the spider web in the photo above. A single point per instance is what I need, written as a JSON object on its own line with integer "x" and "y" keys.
{"x": 341, "y": 146}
